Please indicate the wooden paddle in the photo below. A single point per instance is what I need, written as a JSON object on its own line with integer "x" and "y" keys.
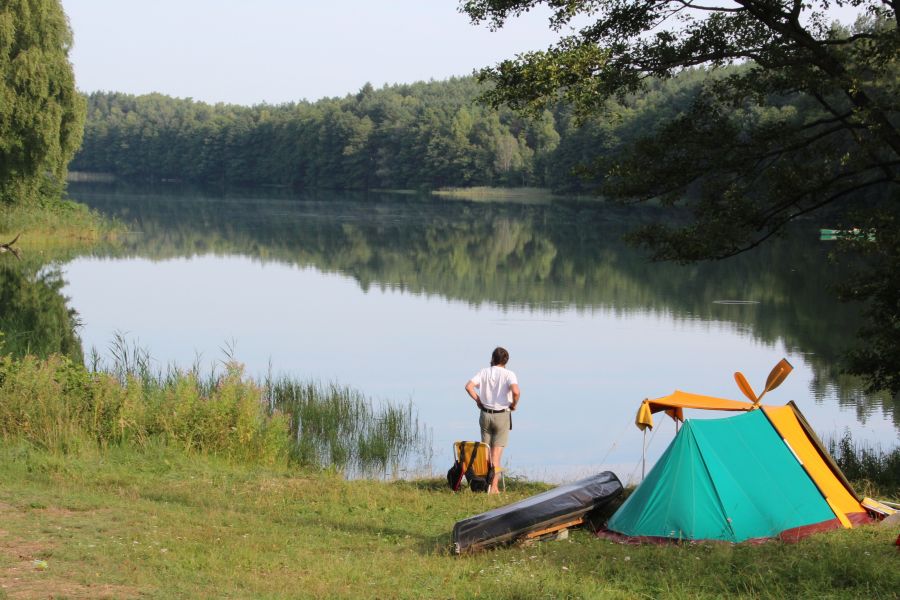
{"x": 745, "y": 387}
{"x": 778, "y": 374}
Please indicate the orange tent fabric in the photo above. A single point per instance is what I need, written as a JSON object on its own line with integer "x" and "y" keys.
{"x": 837, "y": 493}
{"x": 675, "y": 402}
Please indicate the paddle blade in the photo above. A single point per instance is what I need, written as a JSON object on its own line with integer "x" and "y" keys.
{"x": 745, "y": 386}
{"x": 777, "y": 376}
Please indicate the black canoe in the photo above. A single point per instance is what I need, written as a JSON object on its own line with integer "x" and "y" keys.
{"x": 553, "y": 507}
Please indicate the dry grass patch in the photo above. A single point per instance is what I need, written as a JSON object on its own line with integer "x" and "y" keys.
{"x": 27, "y": 570}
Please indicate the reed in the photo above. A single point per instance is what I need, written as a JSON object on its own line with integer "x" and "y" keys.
{"x": 336, "y": 426}
{"x": 867, "y": 465}
{"x": 63, "y": 407}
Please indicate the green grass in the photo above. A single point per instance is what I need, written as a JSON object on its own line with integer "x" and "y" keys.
{"x": 160, "y": 523}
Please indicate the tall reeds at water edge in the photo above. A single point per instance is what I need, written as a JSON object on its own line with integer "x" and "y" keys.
{"x": 868, "y": 466}
{"x": 337, "y": 426}
{"x": 62, "y": 406}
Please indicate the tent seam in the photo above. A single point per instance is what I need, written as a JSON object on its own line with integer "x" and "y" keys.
{"x": 715, "y": 487}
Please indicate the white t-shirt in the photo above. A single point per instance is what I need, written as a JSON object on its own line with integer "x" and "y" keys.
{"x": 493, "y": 387}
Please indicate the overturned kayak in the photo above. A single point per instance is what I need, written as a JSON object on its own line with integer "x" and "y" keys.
{"x": 559, "y": 505}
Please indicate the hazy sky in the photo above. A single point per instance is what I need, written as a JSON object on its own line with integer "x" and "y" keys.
{"x": 277, "y": 51}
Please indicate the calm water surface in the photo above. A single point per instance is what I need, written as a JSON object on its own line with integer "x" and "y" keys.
{"x": 405, "y": 297}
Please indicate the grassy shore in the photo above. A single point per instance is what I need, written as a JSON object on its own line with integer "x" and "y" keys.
{"x": 121, "y": 483}
{"x": 492, "y": 194}
{"x": 161, "y": 523}
{"x": 55, "y": 226}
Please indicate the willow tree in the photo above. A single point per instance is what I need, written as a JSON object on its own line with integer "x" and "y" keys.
{"x": 797, "y": 116}
{"x": 41, "y": 112}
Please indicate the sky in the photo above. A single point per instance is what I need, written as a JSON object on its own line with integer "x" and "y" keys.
{"x": 278, "y": 51}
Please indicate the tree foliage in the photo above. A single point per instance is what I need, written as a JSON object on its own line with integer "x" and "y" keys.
{"x": 799, "y": 115}
{"x": 41, "y": 112}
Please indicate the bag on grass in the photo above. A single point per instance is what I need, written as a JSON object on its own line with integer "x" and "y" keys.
{"x": 454, "y": 476}
{"x": 477, "y": 482}
{"x": 480, "y": 484}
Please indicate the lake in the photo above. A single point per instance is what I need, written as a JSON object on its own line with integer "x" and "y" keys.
{"x": 404, "y": 297}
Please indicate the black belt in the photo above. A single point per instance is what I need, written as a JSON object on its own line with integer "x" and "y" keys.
{"x": 492, "y": 411}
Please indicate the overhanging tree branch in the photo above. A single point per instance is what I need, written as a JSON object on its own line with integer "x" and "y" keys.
{"x": 749, "y": 173}
{"x": 720, "y": 9}
{"x": 779, "y": 225}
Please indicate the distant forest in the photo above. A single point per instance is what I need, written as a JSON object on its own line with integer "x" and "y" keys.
{"x": 421, "y": 135}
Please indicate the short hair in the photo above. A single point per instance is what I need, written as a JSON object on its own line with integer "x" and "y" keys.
{"x": 499, "y": 357}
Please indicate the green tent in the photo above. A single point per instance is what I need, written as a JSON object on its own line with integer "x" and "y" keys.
{"x": 730, "y": 479}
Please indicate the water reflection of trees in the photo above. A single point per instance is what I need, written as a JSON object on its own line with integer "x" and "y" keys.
{"x": 34, "y": 316}
{"x": 540, "y": 257}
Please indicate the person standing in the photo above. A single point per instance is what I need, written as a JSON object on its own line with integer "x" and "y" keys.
{"x": 495, "y": 390}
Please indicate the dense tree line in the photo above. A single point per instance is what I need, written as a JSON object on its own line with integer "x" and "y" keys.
{"x": 418, "y": 135}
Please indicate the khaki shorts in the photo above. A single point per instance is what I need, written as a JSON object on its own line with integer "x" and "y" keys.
{"x": 495, "y": 428}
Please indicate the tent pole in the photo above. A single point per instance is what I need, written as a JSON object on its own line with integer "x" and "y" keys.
{"x": 644, "y": 456}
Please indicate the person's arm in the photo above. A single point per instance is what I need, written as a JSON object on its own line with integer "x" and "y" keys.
{"x": 514, "y": 388}
{"x": 470, "y": 388}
